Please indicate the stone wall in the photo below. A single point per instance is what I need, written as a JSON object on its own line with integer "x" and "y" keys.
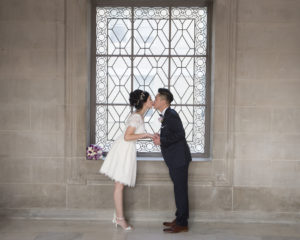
{"x": 44, "y": 77}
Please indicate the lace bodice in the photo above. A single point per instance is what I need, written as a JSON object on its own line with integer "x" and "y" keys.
{"x": 135, "y": 120}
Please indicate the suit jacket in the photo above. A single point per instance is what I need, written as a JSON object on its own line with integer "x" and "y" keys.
{"x": 174, "y": 147}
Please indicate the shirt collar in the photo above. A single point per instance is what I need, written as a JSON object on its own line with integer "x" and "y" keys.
{"x": 164, "y": 111}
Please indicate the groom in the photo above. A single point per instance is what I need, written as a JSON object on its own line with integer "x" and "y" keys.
{"x": 177, "y": 156}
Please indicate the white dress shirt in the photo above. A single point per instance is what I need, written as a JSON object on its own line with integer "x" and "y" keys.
{"x": 163, "y": 112}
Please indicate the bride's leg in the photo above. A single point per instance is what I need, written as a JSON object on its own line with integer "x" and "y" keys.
{"x": 118, "y": 198}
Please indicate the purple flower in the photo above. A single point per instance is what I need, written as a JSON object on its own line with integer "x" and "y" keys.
{"x": 93, "y": 152}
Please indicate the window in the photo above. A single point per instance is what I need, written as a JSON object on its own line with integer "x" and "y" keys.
{"x": 148, "y": 47}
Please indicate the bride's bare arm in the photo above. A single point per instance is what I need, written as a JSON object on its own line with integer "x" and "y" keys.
{"x": 131, "y": 136}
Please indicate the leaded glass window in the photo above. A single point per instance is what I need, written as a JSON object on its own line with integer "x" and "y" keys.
{"x": 148, "y": 48}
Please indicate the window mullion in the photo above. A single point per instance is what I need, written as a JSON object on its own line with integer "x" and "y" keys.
{"x": 169, "y": 67}
{"x": 132, "y": 46}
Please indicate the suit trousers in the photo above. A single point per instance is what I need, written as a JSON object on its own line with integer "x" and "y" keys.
{"x": 179, "y": 177}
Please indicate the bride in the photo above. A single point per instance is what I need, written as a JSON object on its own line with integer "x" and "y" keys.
{"x": 120, "y": 163}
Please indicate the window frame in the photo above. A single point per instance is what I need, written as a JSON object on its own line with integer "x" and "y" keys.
{"x": 153, "y": 3}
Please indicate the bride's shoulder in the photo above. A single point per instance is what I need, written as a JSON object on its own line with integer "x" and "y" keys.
{"x": 135, "y": 116}
{"x": 134, "y": 120}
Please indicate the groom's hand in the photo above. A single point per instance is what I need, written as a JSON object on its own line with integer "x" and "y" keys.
{"x": 156, "y": 139}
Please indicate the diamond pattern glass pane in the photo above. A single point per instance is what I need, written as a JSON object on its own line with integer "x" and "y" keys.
{"x": 150, "y": 73}
{"x": 118, "y": 79}
{"x": 149, "y": 48}
{"x": 116, "y": 118}
{"x": 182, "y": 80}
{"x": 193, "y": 120}
{"x": 112, "y": 25}
{"x": 189, "y": 31}
{"x": 119, "y": 36}
{"x": 110, "y": 124}
{"x": 183, "y": 37}
{"x": 151, "y": 28}
{"x": 152, "y": 125}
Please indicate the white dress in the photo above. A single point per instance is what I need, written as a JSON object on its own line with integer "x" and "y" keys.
{"x": 120, "y": 162}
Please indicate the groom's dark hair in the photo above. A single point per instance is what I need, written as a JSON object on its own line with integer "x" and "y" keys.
{"x": 166, "y": 94}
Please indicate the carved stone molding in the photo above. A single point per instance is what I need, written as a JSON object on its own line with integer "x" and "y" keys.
{"x": 76, "y": 86}
{"x": 226, "y": 39}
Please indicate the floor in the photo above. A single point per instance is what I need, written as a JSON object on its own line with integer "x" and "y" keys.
{"x": 98, "y": 230}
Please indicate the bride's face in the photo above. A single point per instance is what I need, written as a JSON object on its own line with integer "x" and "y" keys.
{"x": 149, "y": 103}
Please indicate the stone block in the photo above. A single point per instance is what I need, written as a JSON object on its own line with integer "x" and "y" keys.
{"x": 253, "y": 173}
{"x": 81, "y": 143}
{"x": 221, "y": 92}
{"x": 37, "y": 144}
{"x": 266, "y": 199}
{"x": 252, "y": 119}
{"x": 33, "y": 63}
{"x": 47, "y": 117}
{"x": 162, "y": 197}
{"x": 210, "y": 198}
{"x": 286, "y": 174}
{"x": 220, "y": 145}
{"x": 15, "y": 170}
{"x": 14, "y": 117}
{"x": 200, "y": 170}
{"x": 220, "y": 119}
{"x": 48, "y": 170}
{"x": 283, "y": 147}
{"x": 136, "y": 198}
{"x": 32, "y": 196}
{"x": 32, "y": 10}
{"x": 252, "y": 146}
{"x": 283, "y": 92}
{"x": 14, "y": 90}
{"x": 268, "y": 92}
{"x": 251, "y": 93}
{"x": 80, "y": 116}
{"x": 261, "y": 65}
{"x": 268, "y": 11}
{"x": 266, "y": 37}
{"x": 90, "y": 196}
{"x": 21, "y": 35}
{"x": 152, "y": 167}
{"x": 286, "y": 120}
{"x": 8, "y": 144}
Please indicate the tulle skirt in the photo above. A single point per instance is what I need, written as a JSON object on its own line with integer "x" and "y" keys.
{"x": 120, "y": 162}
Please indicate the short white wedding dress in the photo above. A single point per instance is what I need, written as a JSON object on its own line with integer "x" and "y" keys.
{"x": 120, "y": 162}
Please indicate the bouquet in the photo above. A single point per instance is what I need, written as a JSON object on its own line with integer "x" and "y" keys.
{"x": 93, "y": 152}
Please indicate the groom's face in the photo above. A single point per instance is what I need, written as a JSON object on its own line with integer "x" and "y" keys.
{"x": 157, "y": 102}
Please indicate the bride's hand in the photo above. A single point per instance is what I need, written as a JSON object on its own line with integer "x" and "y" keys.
{"x": 149, "y": 135}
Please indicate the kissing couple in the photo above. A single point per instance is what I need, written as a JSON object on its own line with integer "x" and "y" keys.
{"x": 120, "y": 163}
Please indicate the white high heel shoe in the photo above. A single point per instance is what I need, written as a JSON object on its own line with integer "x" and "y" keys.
{"x": 115, "y": 221}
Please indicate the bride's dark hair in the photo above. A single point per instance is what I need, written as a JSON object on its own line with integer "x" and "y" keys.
{"x": 137, "y": 98}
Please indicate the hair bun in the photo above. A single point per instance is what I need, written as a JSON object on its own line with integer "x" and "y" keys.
{"x": 137, "y": 98}
{"x": 134, "y": 98}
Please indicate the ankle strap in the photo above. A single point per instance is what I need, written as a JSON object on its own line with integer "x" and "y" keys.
{"x": 120, "y": 218}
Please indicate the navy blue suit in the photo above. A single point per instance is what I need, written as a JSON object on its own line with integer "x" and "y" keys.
{"x": 177, "y": 156}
